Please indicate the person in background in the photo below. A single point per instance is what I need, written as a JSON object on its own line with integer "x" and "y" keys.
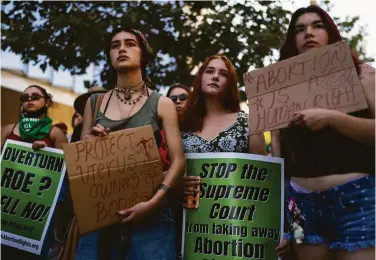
{"x": 35, "y": 127}
{"x": 76, "y": 119}
{"x": 179, "y": 94}
{"x": 79, "y": 106}
{"x": 329, "y": 158}
{"x": 213, "y": 122}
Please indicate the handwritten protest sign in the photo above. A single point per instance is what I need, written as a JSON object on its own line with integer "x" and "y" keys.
{"x": 112, "y": 173}
{"x": 324, "y": 78}
{"x": 240, "y": 215}
{"x": 30, "y": 185}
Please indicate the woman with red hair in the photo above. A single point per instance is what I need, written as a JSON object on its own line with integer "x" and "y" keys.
{"x": 329, "y": 157}
{"x": 212, "y": 120}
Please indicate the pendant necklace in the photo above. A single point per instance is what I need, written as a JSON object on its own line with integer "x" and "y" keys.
{"x": 130, "y": 101}
{"x": 128, "y": 91}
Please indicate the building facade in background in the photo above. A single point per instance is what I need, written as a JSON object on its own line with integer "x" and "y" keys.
{"x": 64, "y": 88}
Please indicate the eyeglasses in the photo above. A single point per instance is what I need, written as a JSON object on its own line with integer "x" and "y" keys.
{"x": 33, "y": 97}
{"x": 181, "y": 97}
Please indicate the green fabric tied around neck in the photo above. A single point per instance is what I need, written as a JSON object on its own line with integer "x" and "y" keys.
{"x": 32, "y": 129}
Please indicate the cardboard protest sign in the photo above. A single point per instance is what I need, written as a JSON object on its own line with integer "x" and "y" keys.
{"x": 112, "y": 173}
{"x": 240, "y": 215}
{"x": 324, "y": 78}
{"x": 30, "y": 185}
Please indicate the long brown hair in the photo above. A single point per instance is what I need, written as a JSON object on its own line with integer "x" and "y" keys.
{"x": 289, "y": 49}
{"x": 195, "y": 110}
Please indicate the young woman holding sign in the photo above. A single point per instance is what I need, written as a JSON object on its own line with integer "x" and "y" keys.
{"x": 131, "y": 103}
{"x": 33, "y": 127}
{"x": 330, "y": 158}
{"x": 212, "y": 120}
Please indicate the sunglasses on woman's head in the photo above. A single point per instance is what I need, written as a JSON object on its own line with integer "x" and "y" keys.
{"x": 33, "y": 97}
{"x": 181, "y": 97}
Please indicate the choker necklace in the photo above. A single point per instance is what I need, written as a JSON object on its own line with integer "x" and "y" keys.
{"x": 128, "y": 94}
{"x": 128, "y": 91}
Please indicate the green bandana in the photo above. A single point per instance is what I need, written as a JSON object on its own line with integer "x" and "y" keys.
{"x": 32, "y": 129}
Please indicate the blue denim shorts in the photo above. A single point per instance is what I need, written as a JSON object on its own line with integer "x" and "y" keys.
{"x": 153, "y": 241}
{"x": 342, "y": 217}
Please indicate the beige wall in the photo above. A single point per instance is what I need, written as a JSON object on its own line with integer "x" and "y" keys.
{"x": 10, "y": 110}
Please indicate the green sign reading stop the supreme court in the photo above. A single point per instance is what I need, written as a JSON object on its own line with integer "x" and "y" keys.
{"x": 240, "y": 214}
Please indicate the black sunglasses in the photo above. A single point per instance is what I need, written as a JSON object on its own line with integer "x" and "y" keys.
{"x": 33, "y": 97}
{"x": 181, "y": 97}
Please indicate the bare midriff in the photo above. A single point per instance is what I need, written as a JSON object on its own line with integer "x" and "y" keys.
{"x": 326, "y": 182}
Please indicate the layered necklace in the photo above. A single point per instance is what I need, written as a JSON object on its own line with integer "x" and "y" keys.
{"x": 128, "y": 92}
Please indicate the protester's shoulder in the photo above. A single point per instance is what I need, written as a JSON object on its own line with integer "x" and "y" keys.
{"x": 367, "y": 67}
{"x": 243, "y": 117}
{"x": 9, "y": 126}
{"x": 6, "y": 129}
{"x": 165, "y": 101}
{"x": 56, "y": 131}
{"x": 94, "y": 96}
{"x": 367, "y": 76}
{"x": 243, "y": 114}
{"x": 366, "y": 70}
{"x": 185, "y": 134}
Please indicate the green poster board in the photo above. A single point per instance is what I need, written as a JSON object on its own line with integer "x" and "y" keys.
{"x": 30, "y": 185}
{"x": 240, "y": 214}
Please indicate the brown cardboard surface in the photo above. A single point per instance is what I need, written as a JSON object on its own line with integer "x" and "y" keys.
{"x": 324, "y": 78}
{"x": 111, "y": 173}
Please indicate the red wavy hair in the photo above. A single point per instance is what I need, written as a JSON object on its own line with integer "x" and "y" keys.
{"x": 195, "y": 110}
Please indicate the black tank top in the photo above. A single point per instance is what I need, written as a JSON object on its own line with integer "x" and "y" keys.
{"x": 325, "y": 152}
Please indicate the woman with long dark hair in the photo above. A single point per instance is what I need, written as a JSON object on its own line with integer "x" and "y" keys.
{"x": 35, "y": 127}
{"x": 329, "y": 156}
{"x": 149, "y": 232}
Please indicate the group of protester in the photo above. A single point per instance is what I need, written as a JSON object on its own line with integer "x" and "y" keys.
{"x": 329, "y": 155}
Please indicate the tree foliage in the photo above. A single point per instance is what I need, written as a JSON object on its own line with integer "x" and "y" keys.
{"x": 71, "y": 35}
